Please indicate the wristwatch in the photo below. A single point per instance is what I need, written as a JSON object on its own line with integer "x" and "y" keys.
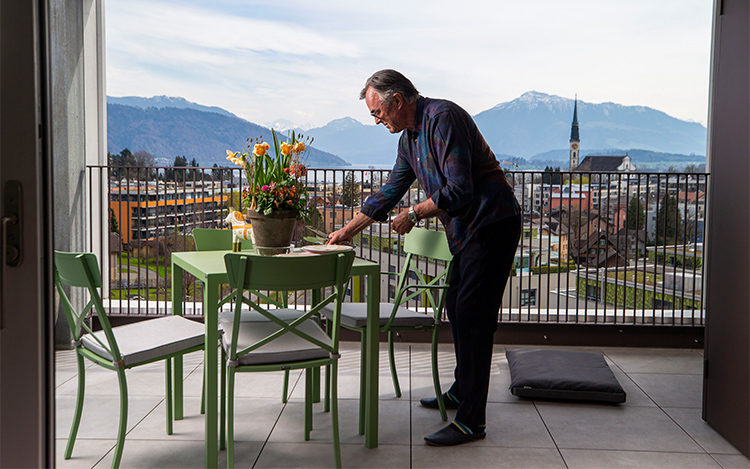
{"x": 413, "y": 216}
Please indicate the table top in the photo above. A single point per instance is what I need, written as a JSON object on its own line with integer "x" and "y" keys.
{"x": 205, "y": 264}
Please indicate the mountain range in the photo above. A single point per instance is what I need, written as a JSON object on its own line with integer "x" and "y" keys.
{"x": 531, "y": 130}
{"x": 189, "y": 130}
{"x": 536, "y": 122}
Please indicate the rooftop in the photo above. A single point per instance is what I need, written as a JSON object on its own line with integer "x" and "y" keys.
{"x": 660, "y": 425}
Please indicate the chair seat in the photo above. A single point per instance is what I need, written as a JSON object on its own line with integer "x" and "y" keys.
{"x": 253, "y": 316}
{"x": 287, "y": 348}
{"x": 146, "y": 340}
{"x": 355, "y": 315}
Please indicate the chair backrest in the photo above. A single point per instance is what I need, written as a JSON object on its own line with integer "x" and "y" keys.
{"x": 433, "y": 246}
{"x": 81, "y": 270}
{"x": 210, "y": 239}
{"x": 293, "y": 273}
{"x": 428, "y": 243}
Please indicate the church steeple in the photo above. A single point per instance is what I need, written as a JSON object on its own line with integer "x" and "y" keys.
{"x": 574, "y": 137}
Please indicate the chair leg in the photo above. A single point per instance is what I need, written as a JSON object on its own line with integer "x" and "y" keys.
{"x": 123, "y": 418}
{"x": 79, "y": 407}
{"x": 316, "y": 384}
{"x": 335, "y": 414}
{"x": 327, "y": 391}
{"x": 230, "y": 419}
{"x": 392, "y": 361}
{"x": 285, "y": 392}
{"x": 362, "y": 381}
{"x": 222, "y": 401}
{"x": 308, "y": 402}
{"x": 203, "y": 391}
{"x": 436, "y": 375}
{"x": 168, "y": 369}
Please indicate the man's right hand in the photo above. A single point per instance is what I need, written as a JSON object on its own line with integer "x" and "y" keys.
{"x": 339, "y": 237}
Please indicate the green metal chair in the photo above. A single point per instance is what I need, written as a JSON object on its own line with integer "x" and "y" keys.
{"x": 281, "y": 339}
{"x": 395, "y": 317}
{"x": 210, "y": 239}
{"x": 118, "y": 348}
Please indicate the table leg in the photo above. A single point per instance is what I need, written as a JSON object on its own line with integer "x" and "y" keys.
{"x": 373, "y": 354}
{"x": 210, "y": 365}
{"x": 177, "y": 369}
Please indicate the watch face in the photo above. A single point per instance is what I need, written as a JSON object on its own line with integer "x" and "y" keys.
{"x": 412, "y": 216}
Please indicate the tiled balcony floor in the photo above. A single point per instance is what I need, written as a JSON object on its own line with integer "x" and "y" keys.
{"x": 659, "y": 426}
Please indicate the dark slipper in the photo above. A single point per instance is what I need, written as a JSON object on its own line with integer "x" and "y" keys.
{"x": 432, "y": 402}
{"x": 451, "y": 436}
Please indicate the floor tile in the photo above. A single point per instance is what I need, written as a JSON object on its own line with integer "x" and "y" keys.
{"x": 671, "y": 390}
{"x": 597, "y": 459}
{"x": 691, "y": 421}
{"x": 394, "y": 428}
{"x": 86, "y": 453}
{"x": 590, "y": 426}
{"x": 635, "y": 360}
{"x": 101, "y": 414}
{"x": 474, "y": 456}
{"x": 311, "y": 455}
{"x": 731, "y": 461}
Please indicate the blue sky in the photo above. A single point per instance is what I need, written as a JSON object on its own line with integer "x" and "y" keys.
{"x": 306, "y": 61}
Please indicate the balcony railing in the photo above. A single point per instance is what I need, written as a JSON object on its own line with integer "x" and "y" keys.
{"x": 611, "y": 248}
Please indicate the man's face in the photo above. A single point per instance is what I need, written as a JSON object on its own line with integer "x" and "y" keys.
{"x": 389, "y": 114}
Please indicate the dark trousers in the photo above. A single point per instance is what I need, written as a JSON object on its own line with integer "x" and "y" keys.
{"x": 480, "y": 272}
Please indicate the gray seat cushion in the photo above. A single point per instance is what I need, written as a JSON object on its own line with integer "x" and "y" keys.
{"x": 250, "y": 316}
{"x": 562, "y": 374}
{"x": 146, "y": 340}
{"x": 355, "y": 315}
{"x": 287, "y": 348}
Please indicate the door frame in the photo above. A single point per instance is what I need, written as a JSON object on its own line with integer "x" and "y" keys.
{"x": 27, "y": 407}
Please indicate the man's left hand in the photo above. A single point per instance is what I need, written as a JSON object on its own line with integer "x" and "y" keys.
{"x": 401, "y": 223}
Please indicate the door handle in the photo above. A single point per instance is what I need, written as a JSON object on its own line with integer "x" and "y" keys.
{"x": 11, "y": 247}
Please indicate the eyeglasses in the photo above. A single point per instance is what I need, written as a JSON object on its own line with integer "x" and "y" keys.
{"x": 376, "y": 112}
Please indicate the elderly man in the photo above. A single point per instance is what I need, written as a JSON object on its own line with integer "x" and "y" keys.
{"x": 441, "y": 147}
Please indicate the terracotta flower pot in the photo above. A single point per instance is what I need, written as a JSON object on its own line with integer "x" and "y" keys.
{"x": 273, "y": 232}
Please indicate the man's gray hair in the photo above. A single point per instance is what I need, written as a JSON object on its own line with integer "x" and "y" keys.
{"x": 389, "y": 82}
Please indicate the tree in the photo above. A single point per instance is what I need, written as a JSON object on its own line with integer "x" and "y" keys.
{"x": 668, "y": 221}
{"x": 144, "y": 159}
{"x": 636, "y": 217}
{"x": 350, "y": 190}
{"x": 177, "y": 174}
{"x": 114, "y": 227}
{"x": 552, "y": 176}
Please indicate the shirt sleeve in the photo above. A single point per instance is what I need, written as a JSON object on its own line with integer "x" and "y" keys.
{"x": 380, "y": 203}
{"x": 452, "y": 150}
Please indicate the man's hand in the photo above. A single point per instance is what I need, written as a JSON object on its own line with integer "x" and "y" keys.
{"x": 401, "y": 224}
{"x": 339, "y": 237}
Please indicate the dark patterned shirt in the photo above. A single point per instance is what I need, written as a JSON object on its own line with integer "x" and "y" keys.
{"x": 453, "y": 163}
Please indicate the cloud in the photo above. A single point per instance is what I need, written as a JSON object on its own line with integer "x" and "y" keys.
{"x": 265, "y": 60}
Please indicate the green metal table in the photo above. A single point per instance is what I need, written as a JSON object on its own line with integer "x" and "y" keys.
{"x": 208, "y": 267}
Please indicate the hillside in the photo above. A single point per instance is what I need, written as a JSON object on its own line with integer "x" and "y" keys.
{"x": 362, "y": 145}
{"x": 167, "y": 132}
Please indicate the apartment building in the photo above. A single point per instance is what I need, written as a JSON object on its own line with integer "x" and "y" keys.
{"x": 145, "y": 211}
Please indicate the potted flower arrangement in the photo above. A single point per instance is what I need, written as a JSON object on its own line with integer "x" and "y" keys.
{"x": 275, "y": 194}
